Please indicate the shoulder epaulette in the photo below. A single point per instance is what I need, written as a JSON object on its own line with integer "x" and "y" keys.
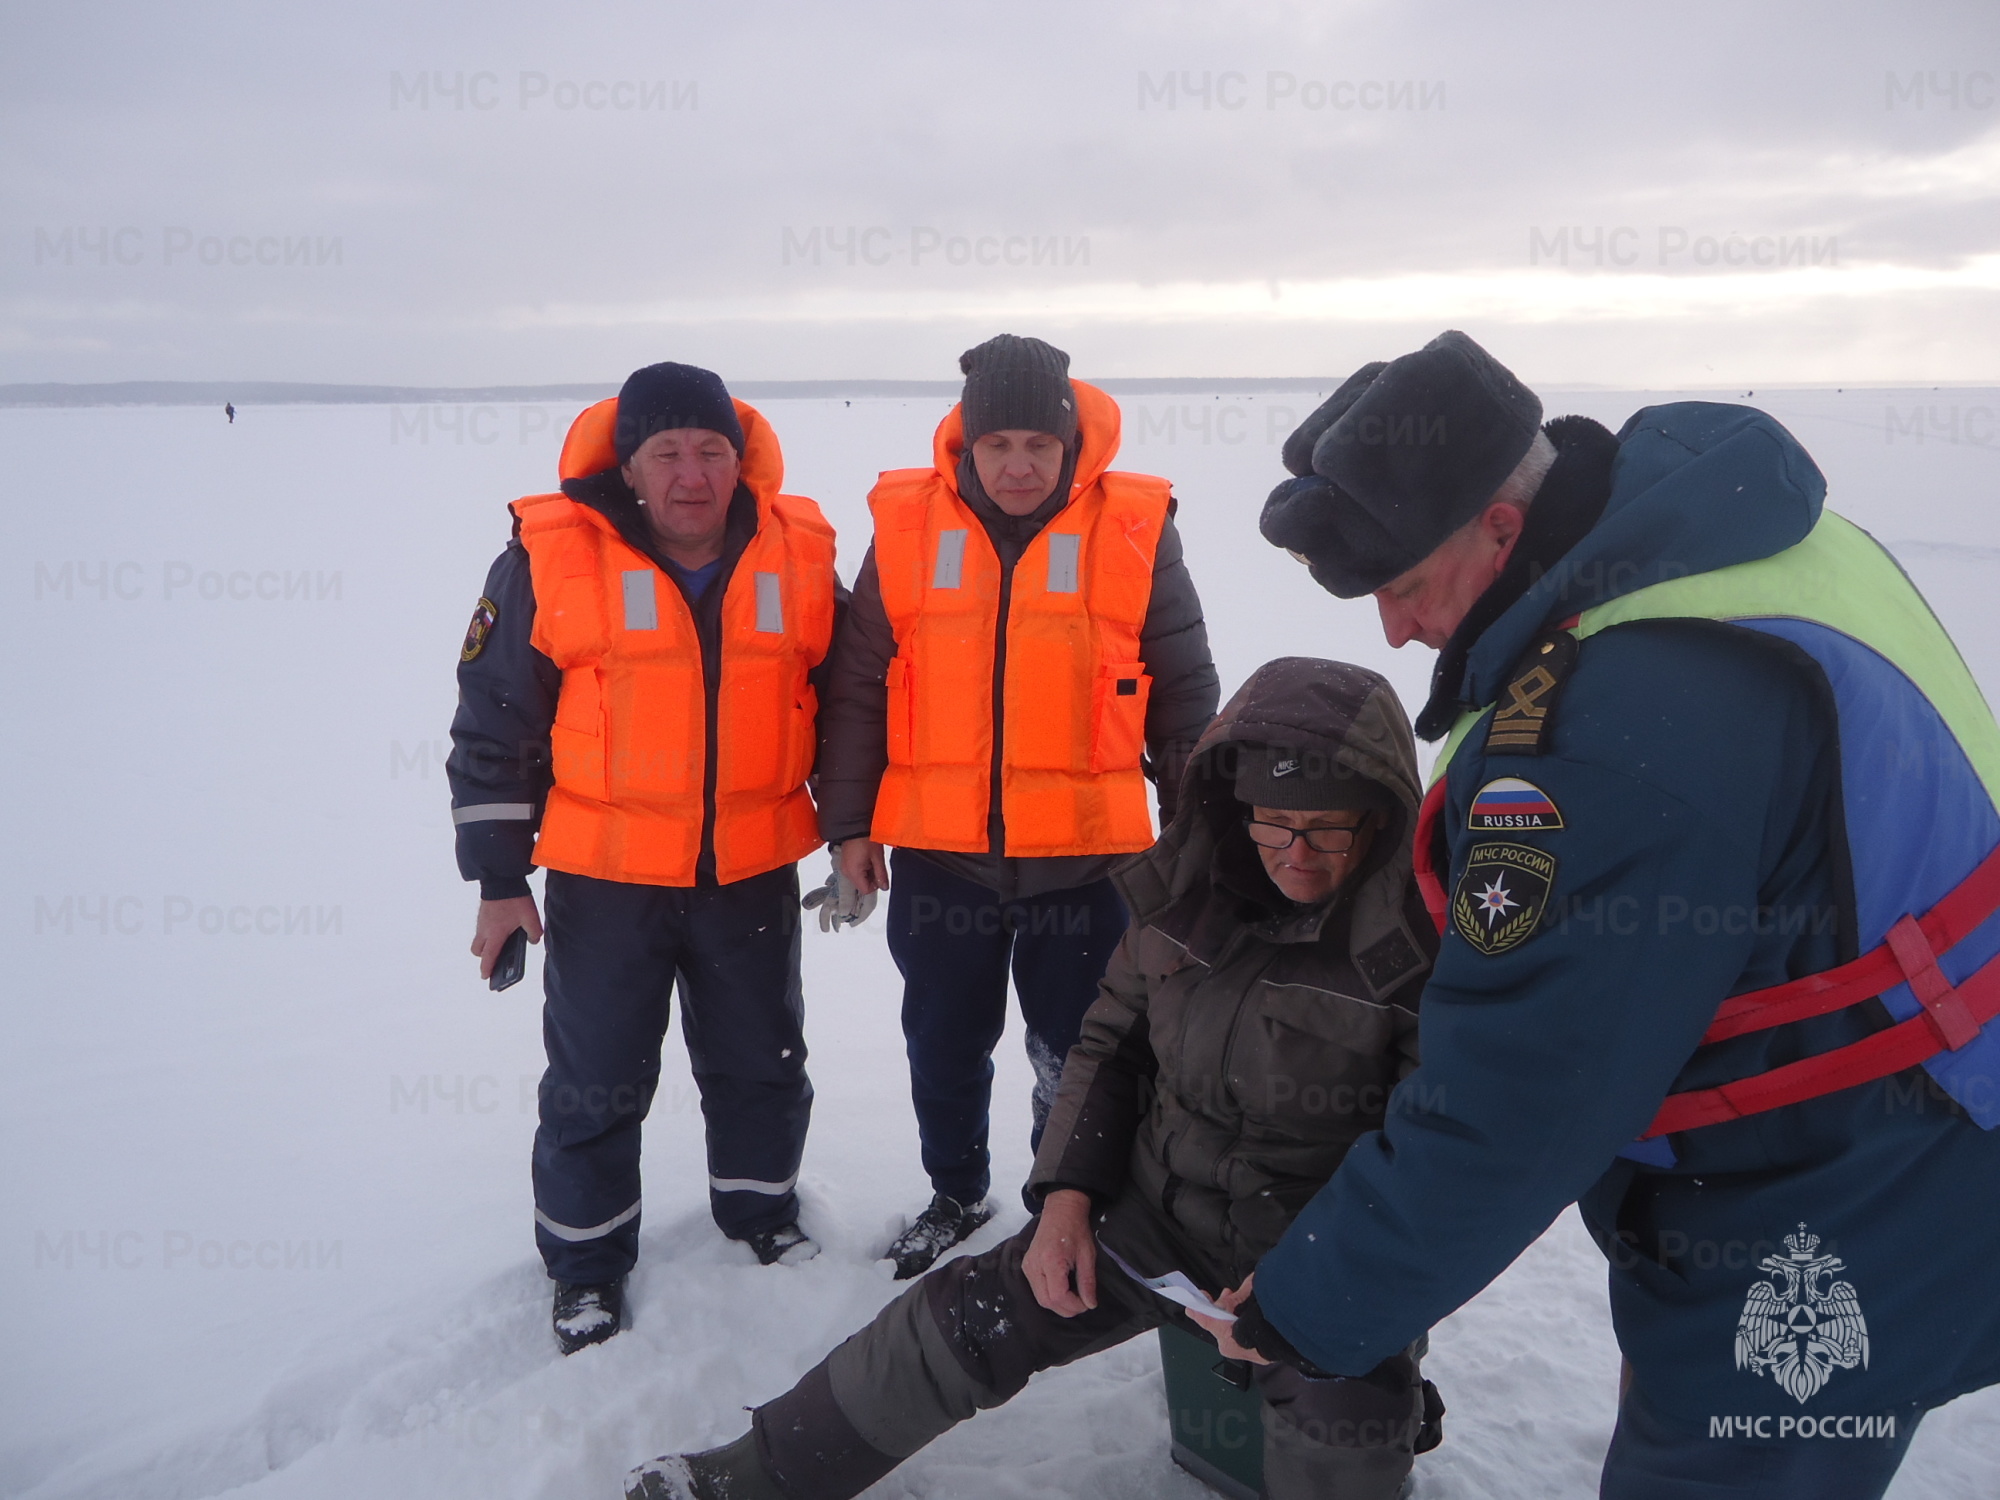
{"x": 1526, "y": 708}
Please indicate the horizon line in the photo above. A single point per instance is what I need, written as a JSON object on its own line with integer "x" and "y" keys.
{"x": 28, "y": 394}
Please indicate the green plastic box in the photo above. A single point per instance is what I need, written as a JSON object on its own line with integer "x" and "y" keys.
{"x": 1218, "y": 1428}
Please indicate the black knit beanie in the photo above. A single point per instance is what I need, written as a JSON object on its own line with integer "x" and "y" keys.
{"x": 663, "y": 397}
{"x": 1396, "y": 460}
{"x": 1014, "y": 383}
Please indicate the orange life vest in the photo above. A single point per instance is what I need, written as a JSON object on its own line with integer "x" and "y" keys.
{"x": 629, "y": 744}
{"x": 1074, "y": 699}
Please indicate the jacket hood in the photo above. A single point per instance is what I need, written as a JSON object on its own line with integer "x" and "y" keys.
{"x": 1353, "y": 717}
{"x": 1697, "y": 485}
{"x": 1099, "y": 427}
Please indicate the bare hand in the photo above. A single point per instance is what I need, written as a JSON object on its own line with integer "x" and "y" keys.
{"x": 1063, "y": 1245}
{"x": 865, "y": 863}
{"x": 1224, "y": 1333}
{"x": 497, "y": 921}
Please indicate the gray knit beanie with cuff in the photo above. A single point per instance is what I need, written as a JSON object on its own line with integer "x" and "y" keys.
{"x": 1012, "y": 383}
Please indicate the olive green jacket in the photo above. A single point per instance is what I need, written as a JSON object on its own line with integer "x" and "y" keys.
{"x": 1240, "y": 1043}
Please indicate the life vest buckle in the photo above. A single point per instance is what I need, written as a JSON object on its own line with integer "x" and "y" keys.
{"x": 1943, "y": 1005}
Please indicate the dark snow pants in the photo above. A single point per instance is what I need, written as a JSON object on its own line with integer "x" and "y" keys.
{"x": 615, "y": 953}
{"x": 954, "y": 942}
{"x": 1655, "y": 1458}
{"x": 970, "y": 1333}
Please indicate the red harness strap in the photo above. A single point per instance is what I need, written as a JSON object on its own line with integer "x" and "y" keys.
{"x": 1947, "y": 925}
{"x": 1429, "y": 882}
{"x": 1951, "y": 1015}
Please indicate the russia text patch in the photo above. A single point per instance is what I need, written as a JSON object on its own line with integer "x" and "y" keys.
{"x": 1501, "y": 895}
{"x": 1511, "y": 802}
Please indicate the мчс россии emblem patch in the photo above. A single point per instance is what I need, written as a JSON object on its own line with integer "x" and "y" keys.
{"x": 1501, "y": 896}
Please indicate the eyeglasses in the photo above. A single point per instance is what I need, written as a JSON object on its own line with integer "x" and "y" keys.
{"x": 1320, "y": 840}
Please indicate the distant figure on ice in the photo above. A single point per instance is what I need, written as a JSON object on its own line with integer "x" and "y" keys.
{"x": 593, "y": 739}
{"x": 1024, "y": 631}
{"x": 229, "y": 411}
{"x": 1716, "y": 859}
{"x": 1250, "y": 1030}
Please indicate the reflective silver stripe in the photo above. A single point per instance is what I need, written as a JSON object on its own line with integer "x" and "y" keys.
{"x": 770, "y": 605}
{"x": 1063, "y": 549}
{"x": 596, "y": 1231}
{"x": 751, "y": 1184}
{"x": 494, "y": 812}
{"x": 642, "y": 612}
{"x": 950, "y": 566}
{"x": 1334, "y": 994}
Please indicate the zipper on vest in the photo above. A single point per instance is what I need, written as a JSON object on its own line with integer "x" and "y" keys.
{"x": 996, "y": 811}
{"x": 707, "y": 612}
{"x": 996, "y": 806}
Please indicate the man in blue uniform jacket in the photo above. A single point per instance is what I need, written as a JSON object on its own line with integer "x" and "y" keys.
{"x": 1706, "y": 741}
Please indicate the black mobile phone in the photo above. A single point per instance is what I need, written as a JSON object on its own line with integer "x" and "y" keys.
{"x": 512, "y": 962}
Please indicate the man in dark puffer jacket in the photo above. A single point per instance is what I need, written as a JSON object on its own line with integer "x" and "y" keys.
{"x": 996, "y": 604}
{"x": 1250, "y": 1028}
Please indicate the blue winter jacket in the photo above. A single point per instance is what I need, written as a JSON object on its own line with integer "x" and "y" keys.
{"x": 1701, "y": 853}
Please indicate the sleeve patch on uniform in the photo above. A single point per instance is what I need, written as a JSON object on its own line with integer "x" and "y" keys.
{"x": 1521, "y": 718}
{"x": 1502, "y": 895}
{"x": 483, "y": 615}
{"x": 1510, "y": 802}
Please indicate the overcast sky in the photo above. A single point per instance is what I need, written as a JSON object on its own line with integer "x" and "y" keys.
{"x": 1606, "y": 193}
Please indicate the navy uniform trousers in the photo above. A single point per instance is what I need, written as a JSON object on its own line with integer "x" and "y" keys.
{"x": 954, "y": 942}
{"x": 616, "y": 952}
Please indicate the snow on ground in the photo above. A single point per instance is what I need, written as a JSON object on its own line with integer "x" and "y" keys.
{"x": 266, "y": 1211}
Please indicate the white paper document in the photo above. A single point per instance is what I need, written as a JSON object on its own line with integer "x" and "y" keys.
{"x": 1175, "y": 1287}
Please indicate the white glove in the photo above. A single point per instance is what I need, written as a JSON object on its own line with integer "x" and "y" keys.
{"x": 839, "y": 902}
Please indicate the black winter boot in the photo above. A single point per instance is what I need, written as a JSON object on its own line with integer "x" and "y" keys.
{"x": 786, "y": 1245}
{"x": 945, "y": 1223}
{"x": 587, "y": 1314}
{"x": 731, "y": 1473}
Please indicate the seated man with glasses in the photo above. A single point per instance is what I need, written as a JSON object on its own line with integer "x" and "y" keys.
{"x": 1250, "y": 1028}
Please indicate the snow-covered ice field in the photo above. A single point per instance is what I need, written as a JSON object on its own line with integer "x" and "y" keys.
{"x": 266, "y": 1216}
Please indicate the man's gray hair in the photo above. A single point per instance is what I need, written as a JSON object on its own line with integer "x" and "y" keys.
{"x": 1518, "y": 488}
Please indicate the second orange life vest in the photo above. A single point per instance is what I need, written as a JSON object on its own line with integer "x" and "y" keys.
{"x": 1075, "y": 691}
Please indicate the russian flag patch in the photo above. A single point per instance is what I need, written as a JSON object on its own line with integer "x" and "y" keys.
{"x": 1511, "y": 803}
